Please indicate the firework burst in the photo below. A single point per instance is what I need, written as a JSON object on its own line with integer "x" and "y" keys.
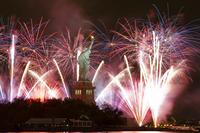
{"x": 66, "y": 52}
{"x": 34, "y": 45}
{"x": 137, "y": 96}
{"x": 177, "y": 42}
{"x": 159, "y": 50}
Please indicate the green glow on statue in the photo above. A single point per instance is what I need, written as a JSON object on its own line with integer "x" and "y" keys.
{"x": 84, "y": 61}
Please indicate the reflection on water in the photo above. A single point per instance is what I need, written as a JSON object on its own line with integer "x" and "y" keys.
{"x": 141, "y": 132}
{"x": 112, "y": 132}
{"x": 138, "y": 132}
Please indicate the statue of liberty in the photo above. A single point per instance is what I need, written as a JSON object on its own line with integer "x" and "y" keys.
{"x": 84, "y": 61}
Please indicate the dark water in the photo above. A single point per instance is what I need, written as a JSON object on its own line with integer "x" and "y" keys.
{"x": 115, "y": 132}
{"x": 144, "y": 132}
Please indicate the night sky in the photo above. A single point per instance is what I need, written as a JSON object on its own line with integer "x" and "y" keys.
{"x": 76, "y": 13}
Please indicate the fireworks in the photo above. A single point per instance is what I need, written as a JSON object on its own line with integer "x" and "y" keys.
{"x": 34, "y": 45}
{"x": 176, "y": 42}
{"x": 12, "y": 58}
{"x": 66, "y": 52}
{"x": 41, "y": 66}
{"x": 35, "y": 62}
{"x": 147, "y": 93}
{"x": 62, "y": 79}
{"x": 97, "y": 71}
{"x": 159, "y": 50}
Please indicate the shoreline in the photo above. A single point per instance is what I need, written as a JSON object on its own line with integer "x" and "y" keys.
{"x": 93, "y": 129}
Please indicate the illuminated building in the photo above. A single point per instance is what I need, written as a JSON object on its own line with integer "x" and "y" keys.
{"x": 83, "y": 90}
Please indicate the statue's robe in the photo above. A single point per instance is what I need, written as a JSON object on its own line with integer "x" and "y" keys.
{"x": 84, "y": 62}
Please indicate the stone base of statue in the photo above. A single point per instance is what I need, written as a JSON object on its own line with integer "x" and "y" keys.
{"x": 83, "y": 90}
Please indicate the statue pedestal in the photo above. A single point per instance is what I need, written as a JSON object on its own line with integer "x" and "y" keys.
{"x": 83, "y": 90}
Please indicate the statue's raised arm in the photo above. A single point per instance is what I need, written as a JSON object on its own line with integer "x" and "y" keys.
{"x": 92, "y": 42}
{"x": 84, "y": 61}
